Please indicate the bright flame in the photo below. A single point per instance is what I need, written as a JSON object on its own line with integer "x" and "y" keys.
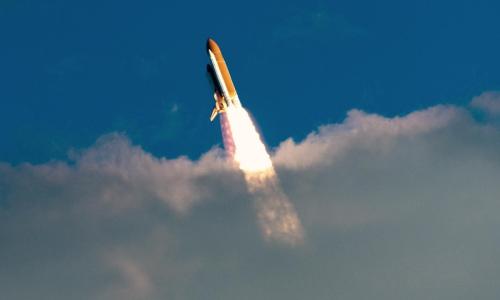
{"x": 250, "y": 153}
{"x": 276, "y": 214}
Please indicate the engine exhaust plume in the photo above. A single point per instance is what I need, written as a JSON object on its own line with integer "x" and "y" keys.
{"x": 276, "y": 215}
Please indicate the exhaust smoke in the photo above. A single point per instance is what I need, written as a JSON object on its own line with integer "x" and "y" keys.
{"x": 275, "y": 213}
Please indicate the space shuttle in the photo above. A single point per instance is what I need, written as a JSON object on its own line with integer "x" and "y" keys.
{"x": 218, "y": 74}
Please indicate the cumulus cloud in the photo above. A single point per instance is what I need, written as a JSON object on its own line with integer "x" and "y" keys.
{"x": 118, "y": 174}
{"x": 488, "y": 102}
{"x": 395, "y": 208}
{"x": 89, "y": 228}
{"x": 360, "y": 128}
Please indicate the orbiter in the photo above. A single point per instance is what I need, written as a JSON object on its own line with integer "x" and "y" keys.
{"x": 218, "y": 74}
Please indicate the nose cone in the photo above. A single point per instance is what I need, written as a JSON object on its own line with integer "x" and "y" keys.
{"x": 212, "y": 46}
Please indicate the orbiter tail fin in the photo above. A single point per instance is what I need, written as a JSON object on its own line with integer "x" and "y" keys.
{"x": 215, "y": 111}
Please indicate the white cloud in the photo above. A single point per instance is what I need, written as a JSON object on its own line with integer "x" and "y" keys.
{"x": 394, "y": 208}
{"x": 488, "y": 102}
{"x": 361, "y": 128}
{"x": 120, "y": 175}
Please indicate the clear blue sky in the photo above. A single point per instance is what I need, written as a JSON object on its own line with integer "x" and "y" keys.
{"x": 72, "y": 71}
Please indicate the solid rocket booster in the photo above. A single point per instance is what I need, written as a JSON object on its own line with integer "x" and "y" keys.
{"x": 224, "y": 90}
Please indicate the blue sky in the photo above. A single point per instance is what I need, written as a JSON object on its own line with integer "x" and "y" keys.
{"x": 74, "y": 71}
{"x": 383, "y": 118}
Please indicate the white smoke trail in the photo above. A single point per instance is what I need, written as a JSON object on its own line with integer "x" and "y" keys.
{"x": 277, "y": 216}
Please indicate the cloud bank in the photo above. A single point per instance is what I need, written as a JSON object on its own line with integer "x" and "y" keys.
{"x": 395, "y": 208}
{"x": 488, "y": 102}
